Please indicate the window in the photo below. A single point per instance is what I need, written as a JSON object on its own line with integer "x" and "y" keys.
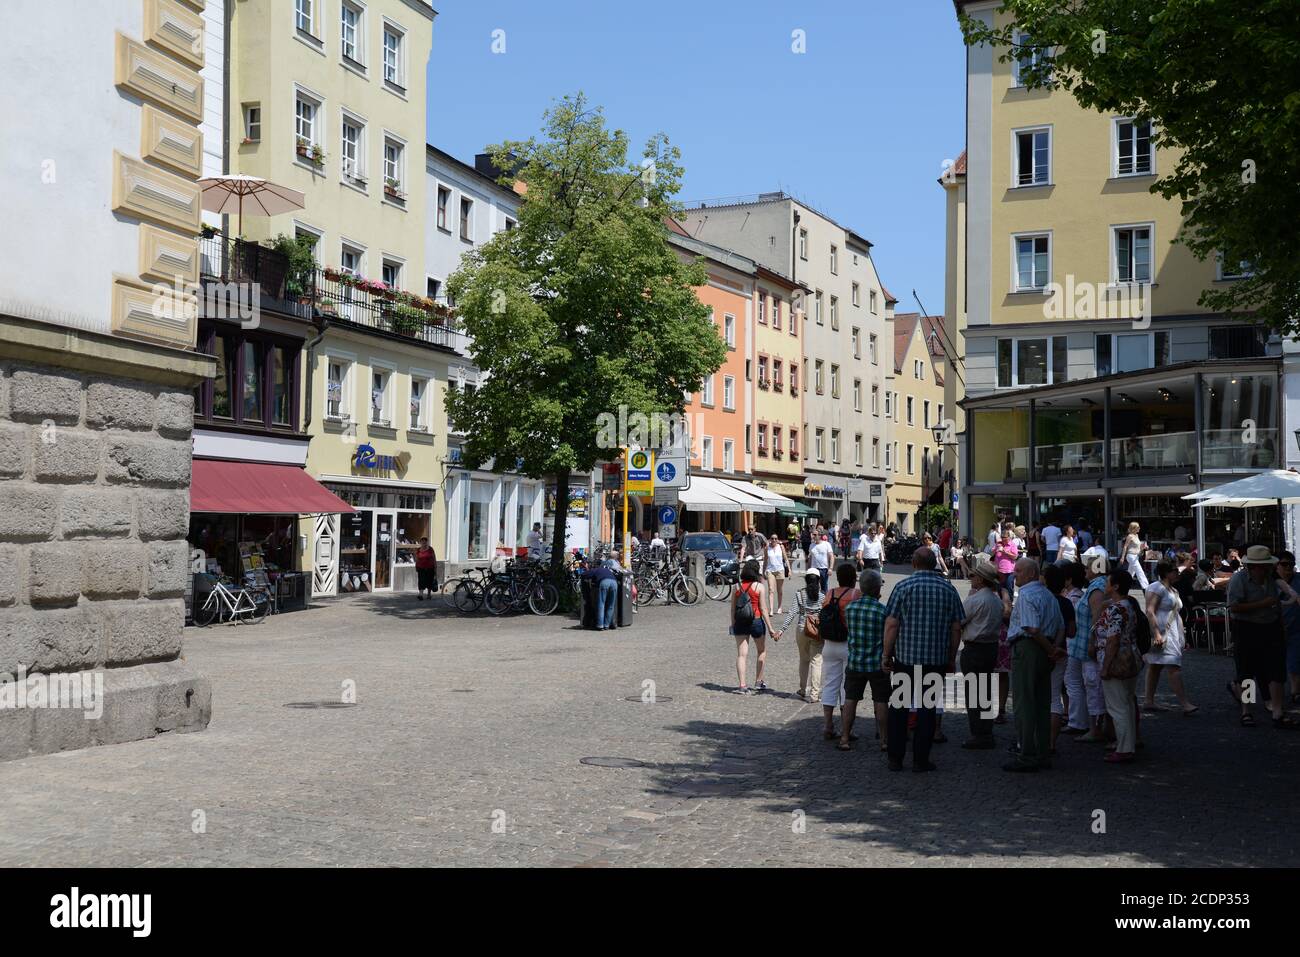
{"x": 251, "y": 380}
{"x": 706, "y": 453}
{"x": 939, "y": 419}
{"x": 925, "y": 413}
{"x": 875, "y": 453}
{"x": 728, "y": 455}
{"x": 1033, "y": 262}
{"x": 1028, "y": 56}
{"x": 255, "y": 381}
{"x": 1134, "y": 151}
{"x": 352, "y": 153}
{"x": 817, "y": 308}
{"x": 749, "y": 370}
{"x": 835, "y": 260}
{"x": 835, "y": 446}
{"x": 380, "y": 406}
{"x": 918, "y": 369}
{"x": 706, "y": 394}
{"x": 1032, "y": 161}
{"x": 510, "y": 224}
{"x": 1132, "y": 254}
{"x": 393, "y": 66}
{"x": 875, "y": 400}
{"x": 889, "y": 404}
{"x": 391, "y": 273}
{"x": 911, "y": 458}
{"x": 1129, "y": 352}
{"x": 794, "y": 378}
{"x": 350, "y": 261}
{"x": 729, "y": 330}
{"x": 835, "y": 381}
{"x": 419, "y": 392}
{"x": 304, "y": 16}
{"x": 857, "y": 450}
{"x": 444, "y": 199}
{"x": 889, "y": 458}
{"x": 777, "y": 377}
{"x": 394, "y": 178}
{"x": 762, "y": 439}
{"x": 1230, "y": 267}
{"x": 729, "y": 393}
{"x": 794, "y": 444}
{"x": 351, "y": 42}
{"x": 338, "y": 390}
{"x": 819, "y": 439}
{"x": 911, "y": 403}
{"x": 762, "y": 308}
{"x": 872, "y": 299}
{"x": 857, "y": 395}
{"x": 803, "y": 244}
{"x": 820, "y": 380}
{"x": 306, "y": 126}
{"x": 776, "y": 313}
{"x": 856, "y": 295}
{"x": 762, "y": 370}
{"x": 252, "y": 122}
{"x": 857, "y": 345}
{"x": 1237, "y": 342}
{"x": 835, "y": 312}
{"x": 1025, "y": 362}
{"x": 872, "y": 350}
{"x": 776, "y": 441}
{"x": 466, "y": 219}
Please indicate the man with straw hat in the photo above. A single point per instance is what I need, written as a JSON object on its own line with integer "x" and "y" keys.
{"x": 1255, "y": 597}
{"x": 984, "y": 611}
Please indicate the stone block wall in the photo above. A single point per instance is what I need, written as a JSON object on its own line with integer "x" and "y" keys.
{"x": 94, "y": 511}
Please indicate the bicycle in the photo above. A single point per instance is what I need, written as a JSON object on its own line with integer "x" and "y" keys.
{"x": 522, "y": 585}
{"x": 469, "y": 590}
{"x": 719, "y": 578}
{"x": 224, "y": 605}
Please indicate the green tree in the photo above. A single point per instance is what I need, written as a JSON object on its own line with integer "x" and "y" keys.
{"x": 582, "y": 308}
{"x": 1220, "y": 79}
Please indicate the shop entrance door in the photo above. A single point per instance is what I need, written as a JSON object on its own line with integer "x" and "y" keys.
{"x": 385, "y": 542}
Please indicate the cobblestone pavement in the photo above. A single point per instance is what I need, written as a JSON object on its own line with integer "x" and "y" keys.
{"x": 465, "y": 742}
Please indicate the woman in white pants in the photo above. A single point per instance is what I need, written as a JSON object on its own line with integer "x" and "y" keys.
{"x": 1133, "y": 550}
{"x": 1114, "y": 647}
{"x": 807, "y": 604}
{"x": 835, "y": 654}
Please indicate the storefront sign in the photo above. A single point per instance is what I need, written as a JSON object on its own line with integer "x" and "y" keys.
{"x": 578, "y": 501}
{"x": 824, "y": 491}
{"x": 367, "y": 458}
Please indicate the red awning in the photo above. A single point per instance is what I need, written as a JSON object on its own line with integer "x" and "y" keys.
{"x": 248, "y": 488}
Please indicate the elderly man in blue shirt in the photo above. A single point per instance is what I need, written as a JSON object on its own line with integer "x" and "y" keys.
{"x": 1034, "y": 632}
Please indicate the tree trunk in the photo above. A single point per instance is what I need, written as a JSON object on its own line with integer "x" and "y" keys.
{"x": 561, "y": 524}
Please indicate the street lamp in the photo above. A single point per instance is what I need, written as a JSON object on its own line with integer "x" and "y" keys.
{"x": 941, "y": 433}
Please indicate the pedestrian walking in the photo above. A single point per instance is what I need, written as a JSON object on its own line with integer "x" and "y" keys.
{"x": 922, "y": 629}
{"x": 804, "y": 615}
{"x": 928, "y": 541}
{"x": 1255, "y": 601}
{"x": 1057, "y": 581}
{"x": 1114, "y": 646}
{"x": 1067, "y": 549}
{"x": 984, "y": 614}
{"x": 747, "y": 625}
{"x": 1133, "y": 550}
{"x": 426, "y": 570}
{"x": 820, "y": 558}
{"x": 1005, "y": 555}
{"x": 1036, "y": 627}
{"x": 1087, "y": 710}
{"x": 865, "y": 621}
{"x": 833, "y": 631}
{"x": 1164, "y": 607}
{"x": 1050, "y": 535}
{"x": 777, "y": 564}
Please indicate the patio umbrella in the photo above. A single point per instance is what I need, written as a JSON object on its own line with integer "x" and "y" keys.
{"x": 228, "y": 194}
{"x": 1275, "y": 487}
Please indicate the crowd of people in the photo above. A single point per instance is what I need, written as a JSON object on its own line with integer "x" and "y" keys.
{"x": 1077, "y": 641}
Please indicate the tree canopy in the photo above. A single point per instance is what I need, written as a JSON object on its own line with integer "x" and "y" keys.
{"x": 1220, "y": 80}
{"x": 583, "y": 306}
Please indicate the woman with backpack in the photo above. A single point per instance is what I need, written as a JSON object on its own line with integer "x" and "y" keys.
{"x": 1163, "y": 610}
{"x": 833, "y": 630}
{"x": 1114, "y": 646}
{"x": 808, "y": 604}
{"x": 747, "y": 623}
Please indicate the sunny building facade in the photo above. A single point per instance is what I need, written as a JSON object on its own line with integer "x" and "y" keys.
{"x": 777, "y": 364}
{"x": 1098, "y": 390}
{"x": 917, "y": 407}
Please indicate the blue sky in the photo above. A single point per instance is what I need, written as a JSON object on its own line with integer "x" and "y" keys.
{"x": 858, "y": 126}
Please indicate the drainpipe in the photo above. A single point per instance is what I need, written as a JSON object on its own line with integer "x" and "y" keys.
{"x": 311, "y": 367}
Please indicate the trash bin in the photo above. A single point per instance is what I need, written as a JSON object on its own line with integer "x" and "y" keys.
{"x": 588, "y": 588}
{"x": 623, "y": 617}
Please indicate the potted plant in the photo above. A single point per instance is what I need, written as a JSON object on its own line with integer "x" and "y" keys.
{"x": 391, "y": 188}
{"x": 328, "y": 306}
{"x": 304, "y": 148}
{"x": 207, "y": 231}
{"x": 317, "y": 155}
{"x": 405, "y": 320}
{"x": 300, "y": 265}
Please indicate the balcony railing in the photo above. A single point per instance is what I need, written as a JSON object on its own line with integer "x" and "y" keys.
{"x": 371, "y": 304}
{"x": 1071, "y": 458}
{"x": 239, "y": 263}
{"x": 1240, "y": 449}
{"x": 1137, "y": 454}
{"x": 1221, "y": 450}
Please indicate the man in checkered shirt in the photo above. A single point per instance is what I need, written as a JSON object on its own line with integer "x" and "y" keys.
{"x": 922, "y": 630}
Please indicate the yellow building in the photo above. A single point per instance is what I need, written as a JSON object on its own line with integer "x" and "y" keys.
{"x": 916, "y": 407}
{"x": 1098, "y": 391}
{"x": 328, "y": 97}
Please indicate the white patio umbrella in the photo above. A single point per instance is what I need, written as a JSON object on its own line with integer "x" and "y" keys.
{"x": 229, "y": 194}
{"x": 1275, "y": 487}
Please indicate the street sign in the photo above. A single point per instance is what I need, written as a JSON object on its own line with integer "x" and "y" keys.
{"x": 673, "y": 465}
{"x": 667, "y": 531}
{"x": 667, "y": 515}
{"x": 666, "y": 473}
{"x": 640, "y": 473}
{"x": 665, "y": 496}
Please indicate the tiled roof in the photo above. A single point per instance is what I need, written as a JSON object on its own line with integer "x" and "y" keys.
{"x": 931, "y": 330}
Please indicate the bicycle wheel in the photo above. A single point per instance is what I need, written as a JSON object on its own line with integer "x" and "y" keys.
{"x": 646, "y": 589}
{"x": 717, "y": 587}
{"x": 544, "y": 598}
{"x": 260, "y": 608}
{"x": 466, "y": 597}
{"x": 686, "y": 591}
{"x": 497, "y": 599}
{"x": 208, "y": 612}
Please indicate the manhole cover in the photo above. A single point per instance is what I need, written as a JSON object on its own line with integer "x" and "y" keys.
{"x": 613, "y": 762}
{"x": 655, "y": 700}
{"x": 320, "y": 704}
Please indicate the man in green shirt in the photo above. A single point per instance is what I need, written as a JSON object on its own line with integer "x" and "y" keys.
{"x": 865, "y": 622}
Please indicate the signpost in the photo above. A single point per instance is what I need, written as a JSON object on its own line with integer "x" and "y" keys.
{"x": 640, "y": 472}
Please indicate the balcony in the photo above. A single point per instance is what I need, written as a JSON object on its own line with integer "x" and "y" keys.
{"x": 373, "y": 305}
{"x": 1140, "y": 454}
{"x": 239, "y": 264}
{"x": 1068, "y": 460}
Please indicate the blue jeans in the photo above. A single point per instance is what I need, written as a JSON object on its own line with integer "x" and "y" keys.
{"x": 606, "y": 603}
{"x": 826, "y": 578}
{"x": 1051, "y": 556}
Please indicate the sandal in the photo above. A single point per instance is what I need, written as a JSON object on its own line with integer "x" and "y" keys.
{"x": 1188, "y": 712}
{"x": 843, "y": 746}
{"x": 1248, "y": 721}
{"x": 1286, "y": 723}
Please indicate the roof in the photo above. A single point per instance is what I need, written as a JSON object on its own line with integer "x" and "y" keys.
{"x": 780, "y": 196}
{"x": 958, "y": 169}
{"x": 674, "y": 226}
{"x": 487, "y": 182}
{"x": 889, "y": 296}
{"x": 905, "y": 324}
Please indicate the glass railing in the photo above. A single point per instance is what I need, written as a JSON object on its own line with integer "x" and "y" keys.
{"x": 1153, "y": 453}
{"x": 1071, "y": 458}
{"x": 1243, "y": 448}
{"x": 1018, "y": 464}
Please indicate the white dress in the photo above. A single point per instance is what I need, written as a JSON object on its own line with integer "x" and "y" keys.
{"x": 1067, "y": 550}
{"x": 1171, "y": 624}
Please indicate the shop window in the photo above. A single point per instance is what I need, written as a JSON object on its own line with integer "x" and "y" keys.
{"x": 478, "y": 529}
{"x": 255, "y": 381}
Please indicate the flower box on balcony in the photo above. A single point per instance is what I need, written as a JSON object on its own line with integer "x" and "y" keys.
{"x": 392, "y": 190}
{"x": 762, "y": 383}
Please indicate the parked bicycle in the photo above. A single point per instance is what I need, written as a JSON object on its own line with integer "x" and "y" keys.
{"x": 225, "y": 605}
{"x": 522, "y": 585}
{"x": 720, "y": 577}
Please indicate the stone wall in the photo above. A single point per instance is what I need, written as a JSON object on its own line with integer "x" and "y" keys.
{"x": 94, "y": 511}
